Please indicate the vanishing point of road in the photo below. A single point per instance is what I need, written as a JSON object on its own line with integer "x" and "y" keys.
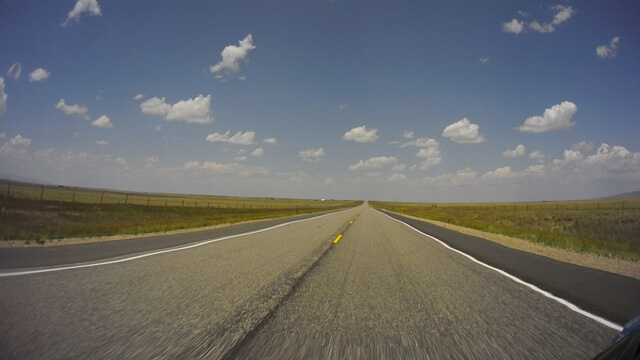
{"x": 286, "y": 290}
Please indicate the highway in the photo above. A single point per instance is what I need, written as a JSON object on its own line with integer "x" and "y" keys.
{"x": 286, "y": 290}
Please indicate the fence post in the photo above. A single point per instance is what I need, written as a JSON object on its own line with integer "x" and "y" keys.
{"x": 74, "y": 196}
{"x": 165, "y": 202}
{"x": 101, "y": 197}
{"x": 126, "y": 199}
{"x": 148, "y": 198}
{"x": 42, "y": 193}
{"x": 296, "y": 209}
{"x": 182, "y": 203}
{"x": 9, "y": 190}
{"x": 196, "y": 204}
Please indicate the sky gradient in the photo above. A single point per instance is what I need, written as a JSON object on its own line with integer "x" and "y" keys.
{"x": 417, "y": 101}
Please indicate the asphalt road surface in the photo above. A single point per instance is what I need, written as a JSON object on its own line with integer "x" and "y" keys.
{"x": 383, "y": 291}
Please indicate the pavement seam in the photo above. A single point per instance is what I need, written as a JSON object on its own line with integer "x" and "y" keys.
{"x": 294, "y": 282}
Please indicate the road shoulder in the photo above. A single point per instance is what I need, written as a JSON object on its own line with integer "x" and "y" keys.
{"x": 616, "y": 266}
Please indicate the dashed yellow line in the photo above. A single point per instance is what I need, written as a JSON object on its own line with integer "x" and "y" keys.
{"x": 337, "y": 239}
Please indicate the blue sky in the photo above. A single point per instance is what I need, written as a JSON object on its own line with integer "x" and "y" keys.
{"x": 417, "y": 100}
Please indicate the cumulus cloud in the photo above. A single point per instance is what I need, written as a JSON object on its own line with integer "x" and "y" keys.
{"x": 514, "y": 26}
{"x": 138, "y": 97}
{"x": 374, "y": 163}
{"x": 408, "y": 134}
{"x": 103, "y": 122}
{"x": 2, "y": 135}
{"x": 361, "y": 134}
{"x": 537, "y": 155}
{"x": 15, "y": 146}
{"x": 3, "y": 98}
{"x": 558, "y": 117}
{"x": 608, "y": 51}
{"x": 239, "y": 138}
{"x": 158, "y": 127}
{"x": 500, "y": 173}
{"x": 329, "y": 181}
{"x": 396, "y": 178}
{"x": 240, "y": 158}
{"x": 83, "y": 7}
{"x": 563, "y": 13}
{"x": 272, "y": 141}
{"x": 463, "y": 132}
{"x": 73, "y": 109}
{"x": 39, "y": 74}
{"x": 231, "y": 57}
{"x": 517, "y": 152}
{"x": 420, "y": 142}
{"x": 102, "y": 142}
{"x": 195, "y": 111}
{"x": 583, "y": 146}
{"x": 484, "y": 61}
{"x": 257, "y": 152}
{"x": 342, "y": 107}
{"x": 465, "y": 176}
{"x": 14, "y": 71}
{"x": 213, "y": 167}
{"x": 311, "y": 155}
{"x": 399, "y": 167}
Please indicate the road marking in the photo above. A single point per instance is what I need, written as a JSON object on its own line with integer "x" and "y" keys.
{"x": 549, "y": 295}
{"x": 39, "y": 271}
{"x": 337, "y": 239}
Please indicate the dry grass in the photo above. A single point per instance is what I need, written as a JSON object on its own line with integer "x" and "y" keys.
{"x": 606, "y": 228}
{"x": 28, "y": 218}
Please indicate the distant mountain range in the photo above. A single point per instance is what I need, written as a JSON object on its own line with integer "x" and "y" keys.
{"x": 632, "y": 194}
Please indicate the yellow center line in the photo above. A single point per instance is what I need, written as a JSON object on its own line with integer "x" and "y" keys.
{"x": 337, "y": 239}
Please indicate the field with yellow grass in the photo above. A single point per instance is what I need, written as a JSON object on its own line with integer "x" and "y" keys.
{"x": 40, "y": 213}
{"x": 608, "y": 228}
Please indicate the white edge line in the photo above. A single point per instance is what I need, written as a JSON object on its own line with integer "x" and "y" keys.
{"x": 40, "y": 271}
{"x": 562, "y": 301}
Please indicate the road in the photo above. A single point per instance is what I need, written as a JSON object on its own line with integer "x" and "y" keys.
{"x": 384, "y": 290}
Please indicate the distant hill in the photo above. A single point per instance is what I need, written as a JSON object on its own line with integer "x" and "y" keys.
{"x": 632, "y": 194}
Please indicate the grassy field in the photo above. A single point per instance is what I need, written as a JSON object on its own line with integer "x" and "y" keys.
{"x": 607, "y": 228}
{"x": 34, "y": 212}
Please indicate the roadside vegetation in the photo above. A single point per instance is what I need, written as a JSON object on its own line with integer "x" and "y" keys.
{"x": 609, "y": 228}
{"x": 73, "y": 212}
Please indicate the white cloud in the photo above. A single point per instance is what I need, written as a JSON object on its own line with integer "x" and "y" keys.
{"x": 15, "y": 146}
{"x": 614, "y": 159}
{"x": 89, "y": 7}
{"x": 517, "y": 152}
{"x": 73, "y": 109}
{"x": 537, "y": 155}
{"x": 242, "y": 151}
{"x": 231, "y": 56}
{"x": 396, "y": 178}
{"x": 421, "y": 142}
{"x": 14, "y": 71}
{"x": 195, "y": 111}
{"x": 408, "y": 134}
{"x": 514, "y": 26}
{"x": 563, "y": 13}
{"x": 361, "y": 134}
{"x": 311, "y": 155}
{"x": 465, "y": 176}
{"x": 103, "y": 122}
{"x": 343, "y": 107}
{"x": 463, "y": 132}
{"x": 484, "y": 61}
{"x": 399, "y": 167}
{"x": 2, "y": 135}
{"x": 150, "y": 160}
{"x": 39, "y": 74}
{"x": 329, "y": 181}
{"x": 3, "y": 98}
{"x": 583, "y": 146}
{"x": 272, "y": 141}
{"x": 500, "y": 173}
{"x": 257, "y": 152}
{"x": 374, "y": 163}
{"x": 240, "y": 138}
{"x": 608, "y": 51}
{"x": 102, "y": 142}
{"x": 120, "y": 161}
{"x": 558, "y": 117}
{"x": 240, "y": 158}
{"x": 139, "y": 97}
{"x": 212, "y": 167}
{"x": 158, "y": 127}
